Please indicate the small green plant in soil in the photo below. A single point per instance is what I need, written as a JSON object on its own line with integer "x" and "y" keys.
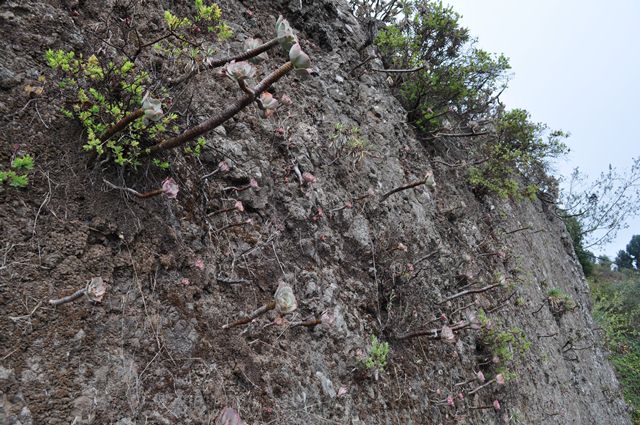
{"x": 560, "y": 302}
{"x": 17, "y": 174}
{"x": 503, "y": 344}
{"x": 376, "y": 359}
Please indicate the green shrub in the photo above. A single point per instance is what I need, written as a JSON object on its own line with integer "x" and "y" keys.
{"x": 560, "y": 302}
{"x": 516, "y": 164}
{"x": 13, "y": 176}
{"x": 584, "y": 256}
{"x": 503, "y": 343}
{"x": 616, "y": 309}
{"x": 456, "y": 77}
{"x": 127, "y": 115}
{"x": 376, "y": 359}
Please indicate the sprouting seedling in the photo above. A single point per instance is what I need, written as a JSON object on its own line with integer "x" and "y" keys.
{"x": 254, "y": 43}
{"x": 285, "y": 34}
{"x": 229, "y": 416}
{"x": 238, "y": 206}
{"x": 298, "y": 58}
{"x": 284, "y": 302}
{"x": 152, "y": 109}
{"x": 223, "y": 167}
{"x": 169, "y": 189}
{"x": 268, "y": 103}
{"x": 240, "y": 71}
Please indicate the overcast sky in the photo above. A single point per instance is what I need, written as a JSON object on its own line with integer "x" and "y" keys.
{"x": 576, "y": 67}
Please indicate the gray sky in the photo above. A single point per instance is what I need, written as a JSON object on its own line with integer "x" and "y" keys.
{"x": 575, "y": 66}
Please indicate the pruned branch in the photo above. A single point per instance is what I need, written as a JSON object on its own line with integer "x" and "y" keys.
{"x": 228, "y": 113}
{"x": 256, "y": 313}
{"x": 404, "y": 187}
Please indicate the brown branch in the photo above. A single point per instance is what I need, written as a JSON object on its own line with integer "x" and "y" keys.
{"x": 404, "y": 187}
{"x": 501, "y": 303}
{"x": 310, "y": 323}
{"x": 468, "y": 292}
{"x": 260, "y": 311}
{"x": 482, "y": 133}
{"x": 120, "y": 125}
{"x": 236, "y": 224}
{"x": 517, "y": 230}
{"x": 240, "y": 57}
{"x": 475, "y": 390}
{"x": 228, "y": 113}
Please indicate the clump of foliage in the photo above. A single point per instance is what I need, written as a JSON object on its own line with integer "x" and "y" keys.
{"x": 376, "y": 359}
{"x": 616, "y": 309}
{"x": 17, "y": 174}
{"x": 443, "y": 80}
{"x": 560, "y": 302}
{"x": 102, "y": 93}
{"x": 187, "y": 41}
{"x": 127, "y": 114}
{"x": 451, "y": 75}
{"x": 517, "y": 162}
{"x": 502, "y": 343}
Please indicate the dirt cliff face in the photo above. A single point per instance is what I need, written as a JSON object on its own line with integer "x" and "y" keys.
{"x": 154, "y": 352}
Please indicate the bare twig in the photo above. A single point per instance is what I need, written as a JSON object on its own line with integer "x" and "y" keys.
{"x": 225, "y": 115}
{"x": 432, "y": 333}
{"x": 26, "y": 316}
{"x": 230, "y": 280}
{"x": 400, "y": 71}
{"x": 475, "y": 390}
{"x": 468, "y": 292}
{"x": 517, "y": 230}
{"x": 260, "y": 311}
{"x": 145, "y": 195}
{"x": 309, "y": 323}
{"x": 482, "y": 133}
{"x": 403, "y": 187}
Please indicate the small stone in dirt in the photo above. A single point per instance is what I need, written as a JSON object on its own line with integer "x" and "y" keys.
{"x": 5, "y": 373}
{"x": 7, "y": 16}
{"x": 8, "y": 79}
{"x": 25, "y": 416}
{"x": 327, "y": 385}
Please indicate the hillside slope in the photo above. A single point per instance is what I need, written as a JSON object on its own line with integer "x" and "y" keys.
{"x": 154, "y": 352}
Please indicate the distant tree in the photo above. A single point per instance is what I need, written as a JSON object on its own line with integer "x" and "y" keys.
{"x": 624, "y": 260}
{"x": 605, "y": 261}
{"x": 605, "y": 205}
{"x": 633, "y": 249}
{"x": 449, "y": 75}
{"x": 585, "y": 257}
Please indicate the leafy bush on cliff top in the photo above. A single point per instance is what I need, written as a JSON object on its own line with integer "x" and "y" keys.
{"x": 454, "y": 76}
